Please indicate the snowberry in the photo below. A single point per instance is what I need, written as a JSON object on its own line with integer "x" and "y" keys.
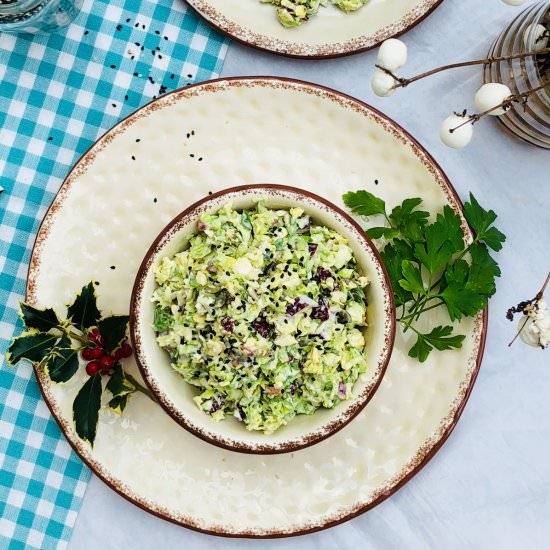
{"x": 514, "y": 2}
{"x": 540, "y": 37}
{"x": 382, "y": 83}
{"x": 536, "y": 330}
{"x": 392, "y": 54}
{"x": 456, "y": 138}
{"x": 490, "y": 95}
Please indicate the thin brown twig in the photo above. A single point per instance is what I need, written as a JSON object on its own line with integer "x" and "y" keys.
{"x": 506, "y": 104}
{"x": 404, "y": 82}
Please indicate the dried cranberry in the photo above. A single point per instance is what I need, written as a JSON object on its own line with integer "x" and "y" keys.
{"x": 261, "y": 326}
{"x": 320, "y": 312}
{"x": 201, "y": 225}
{"x": 342, "y": 389}
{"x": 217, "y": 405}
{"x": 295, "y": 307}
{"x": 228, "y": 324}
{"x": 312, "y": 247}
{"x": 323, "y": 273}
{"x": 294, "y": 387}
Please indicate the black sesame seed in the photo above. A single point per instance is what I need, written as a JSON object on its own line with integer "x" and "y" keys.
{"x": 113, "y": 267}
{"x": 136, "y": 25}
{"x": 86, "y": 32}
{"x": 119, "y": 27}
{"x": 138, "y": 140}
{"x": 209, "y": 192}
{"x": 50, "y": 138}
{"x": 113, "y": 104}
{"x": 113, "y": 66}
{"x": 126, "y": 97}
{"x": 137, "y": 44}
{"x": 96, "y": 283}
{"x": 153, "y": 52}
{"x": 133, "y": 158}
{"x": 136, "y": 74}
{"x": 227, "y": 273}
{"x": 128, "y": 20}
{"x": 189, "y": 76}
{"x": 165, "y": 38}
{"x": 155, "y": 199}
{"x": 157, "y": 32}
{"x": 133, "y": 57}
{"x": 192, "y": 155}
{"x": 160, "y": 56}
{"x": 143, "y": 27}
{"x": 375, "y": 182}
{"x": 192, "y": 132}
{"x": 172, "y": 76}
{"x": 200, "y": 159}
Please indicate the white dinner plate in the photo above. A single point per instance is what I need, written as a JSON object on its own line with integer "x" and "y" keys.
{"x": 330, "y": 33}
{"x": 110, "y": 209}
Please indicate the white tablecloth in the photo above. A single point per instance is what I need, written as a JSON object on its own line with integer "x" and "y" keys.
{"x": 489, "y": 486}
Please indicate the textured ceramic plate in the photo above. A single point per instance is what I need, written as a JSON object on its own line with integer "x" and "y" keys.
{"x": 331, "y": 33}
{"x": 106, "y": 215}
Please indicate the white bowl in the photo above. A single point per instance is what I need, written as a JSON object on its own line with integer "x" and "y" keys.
{"x": 175, "y": 395}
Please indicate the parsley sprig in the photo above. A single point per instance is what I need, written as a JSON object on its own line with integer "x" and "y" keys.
{"x": 53, "y": 345}
{"x": 431, "y": 265}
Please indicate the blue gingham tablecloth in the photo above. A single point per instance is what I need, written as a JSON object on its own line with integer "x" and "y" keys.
{"x": 58, "y": 94}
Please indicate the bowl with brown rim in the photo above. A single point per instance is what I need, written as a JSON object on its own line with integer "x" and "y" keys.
{"x": 175, "y": 395}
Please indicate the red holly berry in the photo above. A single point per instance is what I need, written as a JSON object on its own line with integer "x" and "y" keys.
{"x": 92, "y": 368}
{"x": 126, "y": 350}
{"x": 117, "y": 355}
{"x": 97, "y": 352}
{"x": 106, "y": 362}
{"x": 86, "y": 354}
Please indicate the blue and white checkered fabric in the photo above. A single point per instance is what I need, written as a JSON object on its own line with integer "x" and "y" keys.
{"x": 58, "y": 94}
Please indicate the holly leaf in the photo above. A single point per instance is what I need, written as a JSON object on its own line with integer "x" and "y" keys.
{"x": 118, "y": 404}
{"x": 413, "y": 278}
{"x": 86, "y": 409}
{"x": 113, "y": 331}
{"x": 34, "y": 347}
{"x": 62, "y": 364}
{"x": 83, "y": 312}
{"x": 364, "y": 203}
{"x": 41, "y": 319}
{"x": 439, "y": 338}
{"x": 408, "y": 221}
{"x": 378, "y": 232}
{"x": 444, "y": 238}
{"x": 481, "y": 222}
{"x": 118, "y": 384}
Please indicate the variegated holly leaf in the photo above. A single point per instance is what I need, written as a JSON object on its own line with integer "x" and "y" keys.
{"x": 34, "y": 347}
{"x": 40, "y": 319}
{"x": 86, "y": 408}
{"x": 83, "y": 312}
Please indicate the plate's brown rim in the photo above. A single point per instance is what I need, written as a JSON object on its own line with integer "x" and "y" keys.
{"x": 426, "y": 457}
{"x": 336, "y": 425}
{"x": 290, "y": 55}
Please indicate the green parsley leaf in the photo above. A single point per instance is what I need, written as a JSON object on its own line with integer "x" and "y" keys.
{"x": 83, "y": 312}
{"x": 480, "y": 221}
{"x": 408, "y": 221}
{"x": 413, "y": 278}
{"x": 439, "y": 338}
{"x": 393, "y": 260}
{"x": 444, "y": 238}
{"x": 364, "y": 203}
{"x": 86, "y": 408}
{"x": 161, "y": 319}
{"x": 378, "y": 232}
{"x": 41, "y": 319}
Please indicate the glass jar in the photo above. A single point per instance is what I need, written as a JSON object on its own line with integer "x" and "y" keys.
{"x": 33, "y": 16}
{"x": 529, "y": 121}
